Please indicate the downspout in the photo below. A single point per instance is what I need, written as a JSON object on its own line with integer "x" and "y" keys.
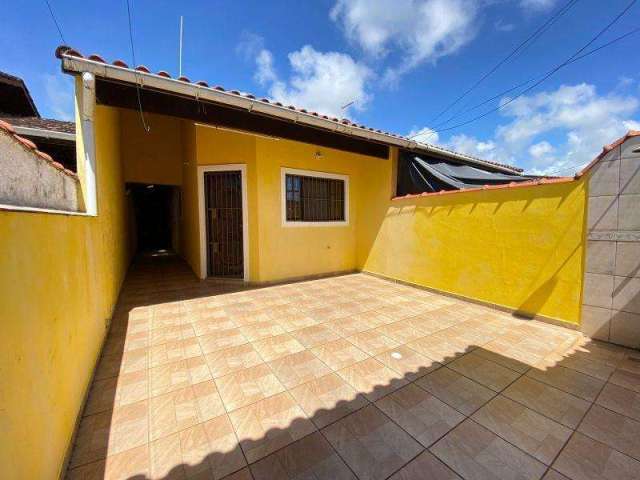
{"x": 87, "y": 115}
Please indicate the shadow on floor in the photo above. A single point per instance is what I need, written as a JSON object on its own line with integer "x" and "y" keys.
{"x": 437, "y": 388}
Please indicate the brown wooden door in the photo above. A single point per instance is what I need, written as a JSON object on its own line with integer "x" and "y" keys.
{"x": 223, "y": 204}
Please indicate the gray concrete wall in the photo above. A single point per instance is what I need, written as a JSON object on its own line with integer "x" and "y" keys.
{"x": 28, "y": 180}
{"x": 611, "y": 299}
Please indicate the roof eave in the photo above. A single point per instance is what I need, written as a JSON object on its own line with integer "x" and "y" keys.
{"x": 77, "y": 65}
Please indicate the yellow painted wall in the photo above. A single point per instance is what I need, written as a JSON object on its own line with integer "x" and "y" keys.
{"x": 521, "y": 248}
{"x": 59, "y": 279}
{"x": 154, "y": 156}
{"x": 190, "y": 233}
{"x": 278, "y": 252}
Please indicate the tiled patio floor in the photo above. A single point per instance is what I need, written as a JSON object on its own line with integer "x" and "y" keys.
{"x": 348, "y": 377}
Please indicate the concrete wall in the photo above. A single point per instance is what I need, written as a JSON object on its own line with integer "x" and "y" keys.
{"x": 28, "y": 180}
{"x": 611, "y": 298}
{"x": 59, "y": 280}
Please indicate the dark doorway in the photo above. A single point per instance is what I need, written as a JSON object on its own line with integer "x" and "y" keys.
{"x": 223, "y": 210}
{"x": 155, "y": 209}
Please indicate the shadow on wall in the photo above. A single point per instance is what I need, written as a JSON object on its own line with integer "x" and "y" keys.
{"x": 544, "y": 374}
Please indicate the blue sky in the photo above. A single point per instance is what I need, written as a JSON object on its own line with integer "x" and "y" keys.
{"x": 400, "y": 62}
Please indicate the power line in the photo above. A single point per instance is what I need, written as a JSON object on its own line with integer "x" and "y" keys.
{"x": 533, "y": 79}
{"x": 529, "y": 40}
{"x": 55, "y": 20}
{"x": 133, "y": 57}
{"x": 545, "y": 77}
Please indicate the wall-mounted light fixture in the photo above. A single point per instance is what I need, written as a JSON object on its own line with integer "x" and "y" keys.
{"x": 318, "y": 155}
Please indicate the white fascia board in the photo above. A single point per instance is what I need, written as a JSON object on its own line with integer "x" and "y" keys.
{"x": 41, "y": 132}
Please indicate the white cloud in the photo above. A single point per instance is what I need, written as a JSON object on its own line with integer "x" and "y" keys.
{"x": 59, "y": 96}
{"x": 501, "y": 26}
{"x": 537, "y": 5}
{"x": 424, "y": 135}
{"x": 320, "y": 81}
{"x": 422, "y": 30}
{"x": 555, "y": 132}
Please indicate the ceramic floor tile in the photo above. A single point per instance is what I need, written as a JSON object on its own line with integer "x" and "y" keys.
{"x": 626, "y": 379}
{"x": 539, "y": 436}
{"x": 425, "y": 466}
{"x": 372, "y": 378}
{"x": 208, "y": 400}
{"x": 221, "y": 340}
{"x": 172, "y": 412}
{"x": 177, "y": 375}
{"x": 291, "y": 322}
{"x": 345, "y": 327}
{"x": 548, "y": 401}
{"x": 586, "y": 459}
{"x": 371, "y": 444}
{"x": 248, "y": 386}
{"x": 273, "y": 348}
{"x": 553, "y": 475}
{"x": 133, "y": 463}
{"x": 270, "y": 424}
{"x": 570, "y": 381}
{"x": 373, "y": 342}
{"x": 401, "y": 331}
{"x": 328, "y": 399}
{"x": 581, "y": 362}
{"x": 208, "y": 326}
{"x": 298, "y": 368}
{"x": 310, "y": 457}
{"x": 483, "y": 371}
{"x": 478, "y": 454}
{"x": 621, "y": 400}
{"x": 407, "y": 362}
{"x": 617, "y": 431}
{"x": 505, "y": 361}
{"x": 113, "y": 392}
{"x": 455, "y": 390}
{"x": 173, "y": 351}
{"x": 339, "y": 354}
{"x": 127, "y": 362}
{"x": 440, "y": 347}
{"x": 233, "y": 359}
{"x": 264, "y": 329}
{"x": 421, "y": 414}
{"x": 166, "y": 458}
{"x": 315, "y": 335}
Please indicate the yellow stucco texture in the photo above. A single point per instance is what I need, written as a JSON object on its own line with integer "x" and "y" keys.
{"x": 520, "y": 248}
{"x": 59, "y": 277}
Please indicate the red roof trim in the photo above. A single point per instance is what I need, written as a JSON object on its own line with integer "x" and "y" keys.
{"x": 606, "y": 149}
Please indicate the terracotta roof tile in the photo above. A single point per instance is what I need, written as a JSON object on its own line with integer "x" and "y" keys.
{"x": 42, "y": 124}
{"x": 607, "y": 148}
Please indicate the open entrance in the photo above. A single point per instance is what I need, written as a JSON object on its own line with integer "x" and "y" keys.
{"x": 224, "y": 223}
{"x": 156, "y": 211}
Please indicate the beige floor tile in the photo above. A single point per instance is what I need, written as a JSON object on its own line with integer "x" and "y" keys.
{"x": 580, "y": 362}
{"x": 505, "y": 361}
{"x": 291, "y": 322}
{"x": 484, "y": 371}
{"x": 440, "y": 347}
{"x": 586, "y": 459}
{"x": 407, "y": 362}
{"x": 621, "y": 400}
{"x": 371, "y": 444}
{"x": 264, "y": 329}
{"x": 275, "y": 347}
{"x": 248, "y": 386}
{"x": 128, "y": 362}
{"x": 177, "y": 375}
{"x": 166, "y": 458}
{"x": 221, "y": 340}
{"x": 298, "y": 368}
{"x": 617, "y": 431}
{"x": 476, "y": 453}
{"x": 425, "y": 466}
{"x": 113, "y": 392}
{"x": 233, "y": 359}
{"x": 373, "y": 342}
{"x": 350, "y": 325}
{"x": 421, "y": 414}
{"x": 626, "y": 379}
{"x": 553, "y": 475}
{"x": 539, "y": 436}
{"x": 455, "y": 390}
{"x": 172, "y": 412}
{"x": 328, "y": 399}
{"x": 133, "y": 463}
{"x": 315, "y": 335}
{"x": 111, "y": 432}
{"x": 373, "y": 319}
{"x": 400, "y": 331}
{"x": 372, "y": 378}
{"x": 173, "y": 351}
{"x": 208, "y": 326}
{"x": 570, "y": 381}
{"x": 270, "y": 424}
{"x": 548, "y": 401}
{"x": 244, "y": 474}
{"x": 339, "y": 354}
{"x": 310, "y": 457}
{"x": 208, "y": 400}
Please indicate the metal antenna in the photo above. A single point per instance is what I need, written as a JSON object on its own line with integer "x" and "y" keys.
{"x": 180, "y": 55}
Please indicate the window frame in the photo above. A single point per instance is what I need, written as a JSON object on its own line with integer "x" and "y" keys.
{"x": 284, "y": 171}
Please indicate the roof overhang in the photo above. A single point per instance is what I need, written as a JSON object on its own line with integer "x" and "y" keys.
{"x": 149, "y": 81}
{"x": 42, "y": 133}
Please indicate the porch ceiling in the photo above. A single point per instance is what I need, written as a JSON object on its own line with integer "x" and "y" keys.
{"x": 347, "y": 377}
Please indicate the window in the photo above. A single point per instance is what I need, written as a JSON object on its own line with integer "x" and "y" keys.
{"x": 314, "y": 198}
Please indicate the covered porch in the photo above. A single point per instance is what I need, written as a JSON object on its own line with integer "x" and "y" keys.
{"x": 347, "y": 377}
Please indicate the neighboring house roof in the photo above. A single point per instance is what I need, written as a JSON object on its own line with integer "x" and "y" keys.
{"x": 75, "y": 62}
{"x": 15, "y": 99}
{"x": 43, "y": 128}
{"x": 29, "y": 145}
